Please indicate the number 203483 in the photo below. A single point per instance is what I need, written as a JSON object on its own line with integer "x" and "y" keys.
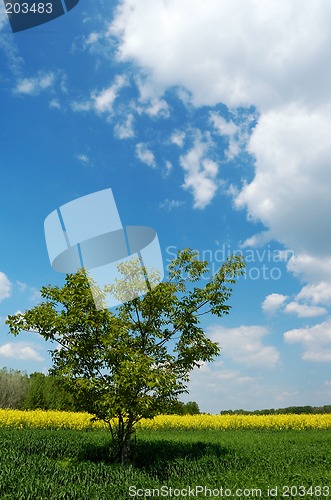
{"x": 25, "y": 8}
{"x": 303, "y": 491}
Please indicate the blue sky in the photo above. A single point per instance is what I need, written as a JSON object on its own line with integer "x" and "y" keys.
{"x": 211, "y": 123}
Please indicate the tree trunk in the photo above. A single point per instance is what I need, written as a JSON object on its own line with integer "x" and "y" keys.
{"x": 126, "y": 449}
{"x": 123, "y": 444}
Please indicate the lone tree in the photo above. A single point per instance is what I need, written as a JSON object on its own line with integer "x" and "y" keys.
{"x": 133, "y": 363}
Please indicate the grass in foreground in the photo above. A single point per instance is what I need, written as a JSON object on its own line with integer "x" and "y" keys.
{"x": 74, "y": 465}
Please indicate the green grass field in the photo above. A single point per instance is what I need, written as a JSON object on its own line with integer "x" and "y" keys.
{"x": 54, "y": 465}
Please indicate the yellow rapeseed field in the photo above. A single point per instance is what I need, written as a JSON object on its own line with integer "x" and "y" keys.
{"x": 41, "y": 419}
{"x": 224, "y": 422}
{"x": 82, "y": 421}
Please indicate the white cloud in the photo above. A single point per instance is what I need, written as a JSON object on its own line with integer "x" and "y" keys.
{"x": 103, "y": 101}
{"x": 145, "y": 155}
{"x": 319, "y": 293}
{"x": 271, "y": 55}
{"x": 316, "y": 341}
{"x": 244, "y": 345}
{"x": 217, "y": 373}
{"x": 35, "y": 85}
{"x": 223, "y": 126}
{"x": 257, "y": 240}
{"x": 286, "y": 396}
{"x": 156, "y": 108}
{"x": 242, "y": 53}
{"x": 19, "y": 350}
{"x": 27, "y": 86}
{"x": 310, "y": 268}
{"x": 147, "y": 89}
{"x": 46, "y": 80}
{"x": 318, "y": 356}
{"x": 84, "y": 159}
{"x": 152, "y": 105}
{"x": 92, "y": 39}
{"x": 230, "y": 130}
{"x": 273, "y": 302}
{"x": 3, "y": 16}
{"x": 171, "y": 204}
{"x": 168, "y": 167}
{"x": 11, "y": 52}
{"x": 304, "y": 310}
{"x": 289, "y": 192}
{"x": 178, "y": 138}
{"x": 96, "y": 42}
{"x": 217, "y": 387}
{"x": 81, "y": 106}
{"x": 200, "y": 172}
{"x": 125, "y": 129}
{"x": 55, "y": 104}
{"x": 5, "y": 287}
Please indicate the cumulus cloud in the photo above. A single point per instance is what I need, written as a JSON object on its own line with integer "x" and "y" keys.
{"x": 303, "y": 305}
{"x": 55, "y": 104}
{"x": 319, "y": 293}
{"x": 257, "y": 240}
{"x": 168, "y": 168}
{"x": 35, "y": 85}
{"x": 289, "y": 192}
{"x": 200, "y": 171}
{"x": 125, "y": 130}
{"x": 10, "y": 51}
{"x": 156, "y": 108}
{"x": 178, "y": 138}
{"x": 271, "y": 55}
{"x": 91, "y": 40}
{"x": 5, "y": 287}
{"x": 310, "y": 268}
{"x": 227, "y": 129}
{"x": 273, "y": 302}
{"x": 19, "y": 350}
{"x": 145, "y": 155}
{"x": 84, "y": 159}
{"x": 233, "y": 389}
{"x": 242, "y": 53}
{"x": 244, "y": 345}
{"x": 169, "y": 205}
{"x": 3, "y": 16}
{"x": 315, "y": 340}
{"x": 81, "y": 106}
{"x": 225, "y": 387}
{"x": 103, "y": 101}
{"x": 286, "y": 396}
{"x": 304, "y": 310}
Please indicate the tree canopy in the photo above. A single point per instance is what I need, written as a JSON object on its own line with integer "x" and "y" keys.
{"x": 133, "y": 363}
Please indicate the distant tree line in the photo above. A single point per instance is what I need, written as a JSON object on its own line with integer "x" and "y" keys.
{"x": 46, "y": 392}
{"x": 289, "y": 409}
{"x": 36, "y": 391}
{"x": 179, "y": 408}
